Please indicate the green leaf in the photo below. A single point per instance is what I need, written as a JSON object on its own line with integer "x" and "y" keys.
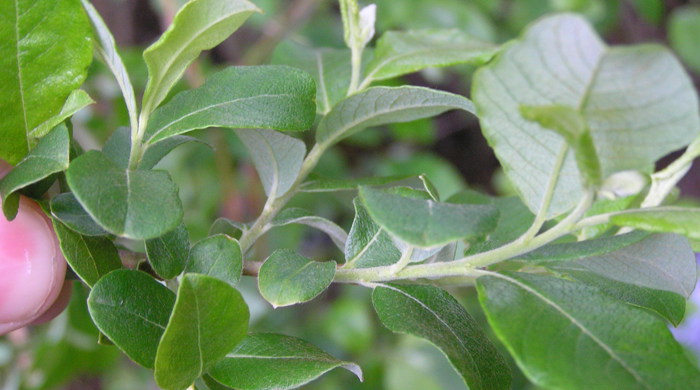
{"x": 89, "y": 257}
{"x": 331, "y": 185}
{"x": 106, "y": 48}
{"x": 668, "y": 305}
{"x": 561, "y": 61}
{"x": 368, "y": 244}
{"x": 570, "y": 124}
{"x": 577, "y": 250}
{"x": 400, "y": 53}
{"x": 514, "y": 218}
{"x": 304, "y": 217}
{"x": 68, "y": 210}
{"x": 39, "y": 70}
{"x": 433, "y": 314}
{"x": 584, "y": 339}
{"x": 209, "y": 319}
{"x": 132, "y": 309}
{"x": 277, "y": 158}
{"x": 50, "y": 155}
{"x": 77, "y": 100}
{"x": 426, "y": 223}
{"x": 287, "y": 278}
{"x": 228, "y": 227}
{"x": 131, "y": 204}
{"x": 679, "y": 220}
{"x": 199, "y": 25}
{"x": 330, "y": 68}
{"x": 168, "y": 253}
{"x": 218, "y": 256}
{"x": 273, "y": 361}
{"x": 381, "y": 105}
{"x": 270, "y": 97}
{"x": 659, "y": 261}
{"x": 683, "y": 30}
{"x": 118, "y": 148}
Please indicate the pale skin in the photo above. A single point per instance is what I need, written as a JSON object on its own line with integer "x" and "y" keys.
{"x": 32, "y": 269}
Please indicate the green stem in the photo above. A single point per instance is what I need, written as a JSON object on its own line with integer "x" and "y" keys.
{"x": 356, "y": 62}
{"x": 274, "y": 205}
{"x": 541, "y": 216}
{"x": 663, "y": 181}
{"x": 468, "y": 266}
{"x": 137, "y": 147}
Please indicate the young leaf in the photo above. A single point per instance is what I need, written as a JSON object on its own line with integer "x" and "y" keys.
{"x": 39, "y": 70}
{"x": 433, "y": 314}
{"x": 368, "y": 244}
{"x": 399, "y": 53}
{"x": 426, "y": 223}
{"x": 274, "y": 361}
{"x": 301, "y": 216}
{"x": 131, "y": 204}
{"x": 198, "y": 26}
{"x": 381, "y": 105}
{"x": 107, "y": 50}
{"x": 168, "y": 253}
{"x": 679, "y": 220}
{"x": 287, "y": 278}
{"x": 50, "y": 155}
{"x": 209, "y": 319}
{"x": 218, "y": 256}
{"x": 68, "y": 210}
{"x": 228, "y": 227}
{"x": 330, "y": 68}
{"x": 277, "y": 158}
{"x": 132, "y": 309}
{"x": 625, "y": 117}
{"x": 270, "y": 97}
{"x": 584, "y": 338}
{"x": 77, "y": 100}
{"x": 659, "y": 261}
{"x": 89, "y": 257}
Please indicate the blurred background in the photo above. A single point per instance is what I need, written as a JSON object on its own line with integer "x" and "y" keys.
{"x": 221, "y": 181}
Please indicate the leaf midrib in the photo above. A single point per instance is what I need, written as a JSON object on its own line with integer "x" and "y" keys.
{"x": 575, "y": 322}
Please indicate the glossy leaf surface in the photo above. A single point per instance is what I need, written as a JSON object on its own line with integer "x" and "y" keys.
{"x": 218, "y": 256}
{"x": 168, "y": 253}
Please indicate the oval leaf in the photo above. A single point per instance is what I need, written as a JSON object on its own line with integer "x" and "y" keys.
{"x": 572, "y": 336}
{"x": 39, "y": 70}
{"x": 199, "y": 25}
{"x": 400, "y": 53}
{"x": 272, "y": 361}
{"x": 287, "y": 278}
{"x": 271, "y": 97}
{"x": 561, "y": 61}
{"x": 89, "y": 257}
{"x": 132, "y": 309}
{"x": 368, "y": 244}
{"x": 218, "y": 256}
{"x": 433, "y": 314}
{"x": 426, "y": 223}
{"x": 50, "y": 155}
{"x": 168, "y": 253}
{"x": 381, "y": 105}
{"x": 131, "y": 204}
{"x": 68, "y": 210}
{"x": 209, "y": 319}
{"x": 679, "y": 220}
